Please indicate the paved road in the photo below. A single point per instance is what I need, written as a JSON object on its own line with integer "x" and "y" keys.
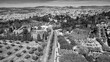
{"x": 53, "y": 56}
{"x": 56, "y": 54}
{"x": 48, "y": 47}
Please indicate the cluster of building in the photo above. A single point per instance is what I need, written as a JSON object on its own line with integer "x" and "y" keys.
{"x": 17, "y": 16}
{"x": 44, "y": 11}
{"x": 42, "y": 32}
{"x": 74, "y": 12}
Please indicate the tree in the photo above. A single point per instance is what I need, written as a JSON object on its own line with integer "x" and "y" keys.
{"x": 25, "y": 34}
{"x": 45, "y": 18}
{"x": 17, "y": 24}
{"x": 1, "y": 31}
{"x": 39, "y": 38}
{"x": 40, "y": 49}
{"x": 10, "y": 30}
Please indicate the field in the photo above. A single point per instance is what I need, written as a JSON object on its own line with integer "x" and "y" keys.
{"x": 19, "y": 51}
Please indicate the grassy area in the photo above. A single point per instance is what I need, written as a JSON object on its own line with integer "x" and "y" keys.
{"x": 64, "y": 44}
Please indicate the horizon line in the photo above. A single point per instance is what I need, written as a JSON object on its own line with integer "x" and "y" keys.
{"x": 52, "y": 6}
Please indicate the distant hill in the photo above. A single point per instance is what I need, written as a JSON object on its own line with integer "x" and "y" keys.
{"x": 96, "y": 7}
{"x": 70, "y": 7}
{"x": 80, "y": 7}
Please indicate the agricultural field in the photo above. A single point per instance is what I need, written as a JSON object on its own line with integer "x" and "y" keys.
{"x": 21, "y": 51}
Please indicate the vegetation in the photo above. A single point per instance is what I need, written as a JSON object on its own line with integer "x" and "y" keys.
{"x": 83, "y": 50}
{"x": 104, "y": 47}
{"x": 103, "y": 58}
{"x": 34, "y": 57}
{"x": 64, "y": 51}
{"x": 51, "y": 46}
{"x": 39, "y": 38}
{"x": 72, "y": 58}
{"x": 64, "y": 44}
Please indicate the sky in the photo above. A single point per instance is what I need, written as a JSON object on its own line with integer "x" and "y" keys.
{"x": 33, "y": 3}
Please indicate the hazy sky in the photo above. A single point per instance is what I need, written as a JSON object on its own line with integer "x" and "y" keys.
{"x": 32, "y": 3}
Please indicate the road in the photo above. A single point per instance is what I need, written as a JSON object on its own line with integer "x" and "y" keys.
{"x": 56, "y": 54}
{"x": 48, "y": 47}
{"x": 53, "y": 55}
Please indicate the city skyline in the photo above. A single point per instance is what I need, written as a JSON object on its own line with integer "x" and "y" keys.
{"x": 33, "y": 3}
